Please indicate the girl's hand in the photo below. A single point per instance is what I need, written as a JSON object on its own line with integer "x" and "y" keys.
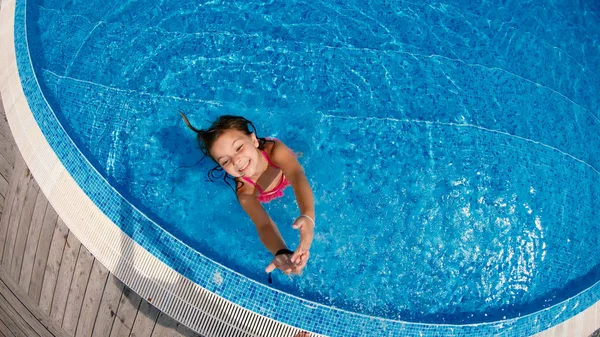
{"x": 306, "y": 226}
{"x": 299, "y": 259}
{"x": 282, "y": 262}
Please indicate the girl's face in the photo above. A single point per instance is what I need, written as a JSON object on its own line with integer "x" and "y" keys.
{"x": 236, "y": 152}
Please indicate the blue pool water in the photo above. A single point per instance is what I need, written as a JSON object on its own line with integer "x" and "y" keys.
{"x": 453, "y": 149}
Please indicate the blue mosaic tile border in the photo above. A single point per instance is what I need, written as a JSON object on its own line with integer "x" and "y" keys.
{"x": 235, "y": 287}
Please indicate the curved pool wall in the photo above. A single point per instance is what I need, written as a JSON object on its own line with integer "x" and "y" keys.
{"x": 194, "y": 290}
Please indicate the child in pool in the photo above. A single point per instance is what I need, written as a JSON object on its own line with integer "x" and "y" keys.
{"x": 262, "y": 168}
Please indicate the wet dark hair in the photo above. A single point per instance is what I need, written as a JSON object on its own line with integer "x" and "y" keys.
{"x": 207, "y": 137}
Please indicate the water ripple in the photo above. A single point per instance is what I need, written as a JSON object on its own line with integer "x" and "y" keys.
{"x": 131, "y": 91}
{"x": 406, "y": 120}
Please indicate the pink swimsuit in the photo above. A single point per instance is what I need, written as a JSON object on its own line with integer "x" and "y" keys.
{"x": 275, "y": 192}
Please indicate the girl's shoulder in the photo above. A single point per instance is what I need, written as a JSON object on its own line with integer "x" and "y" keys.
{"x": 278, "y": 153}
{"x": 272, "y": 146}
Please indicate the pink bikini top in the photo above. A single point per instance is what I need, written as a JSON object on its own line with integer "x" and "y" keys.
{"x": 276, "y": 192}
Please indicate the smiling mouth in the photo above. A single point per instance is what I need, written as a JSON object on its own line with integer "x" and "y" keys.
{"x": 245, "y": 167}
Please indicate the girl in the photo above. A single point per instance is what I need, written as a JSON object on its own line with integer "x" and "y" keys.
{"x": 261, "y": 168}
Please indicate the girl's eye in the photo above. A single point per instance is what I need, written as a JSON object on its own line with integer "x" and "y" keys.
{"x": 239, "y": 148}
{"x": 225, "y": 163}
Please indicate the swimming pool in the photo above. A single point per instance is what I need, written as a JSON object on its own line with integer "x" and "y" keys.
{"x": 431, "y": 137}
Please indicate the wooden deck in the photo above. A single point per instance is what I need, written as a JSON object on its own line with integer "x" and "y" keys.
{"x": 50, "y": 285}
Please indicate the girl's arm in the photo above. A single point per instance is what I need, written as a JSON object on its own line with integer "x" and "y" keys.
{"x": 268, "y": 233}
{"x": 267, "y": 230}
{"x": 285, "y": 158}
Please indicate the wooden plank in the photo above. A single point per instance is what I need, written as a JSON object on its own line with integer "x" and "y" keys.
{"x": 20, "y": 316}
{"x": 7, "y": 150}
{"x": 108, "y": 307}
{"x": 4, "y": 186}
{"x": 43, "y": 252}
{"x": 65, "y": 275}
{"x": 17, "y": 318}
{"x": 27, "y": 307}
{"x": 4, "y": 127}
{"x": 5, "y": 331}
{"x": 10, "y": 324}
{"x": 6, "y": 168}
{"x": 128, "y": 307}
{"x": 81, "y": 276}
{"x": 15, "y": 216}
{"x": 8, "y": 202}
{"x": 92, "y": 299}
{"x": 145, "y": 320}
{"x": 33, "y": 237}
{"x": 165, "y": 327}
{"x": 52, "y": 267}
{"x": 1, "y": 200}
{"x": 23, "y": 231}
{"x": 7, "y": 135}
